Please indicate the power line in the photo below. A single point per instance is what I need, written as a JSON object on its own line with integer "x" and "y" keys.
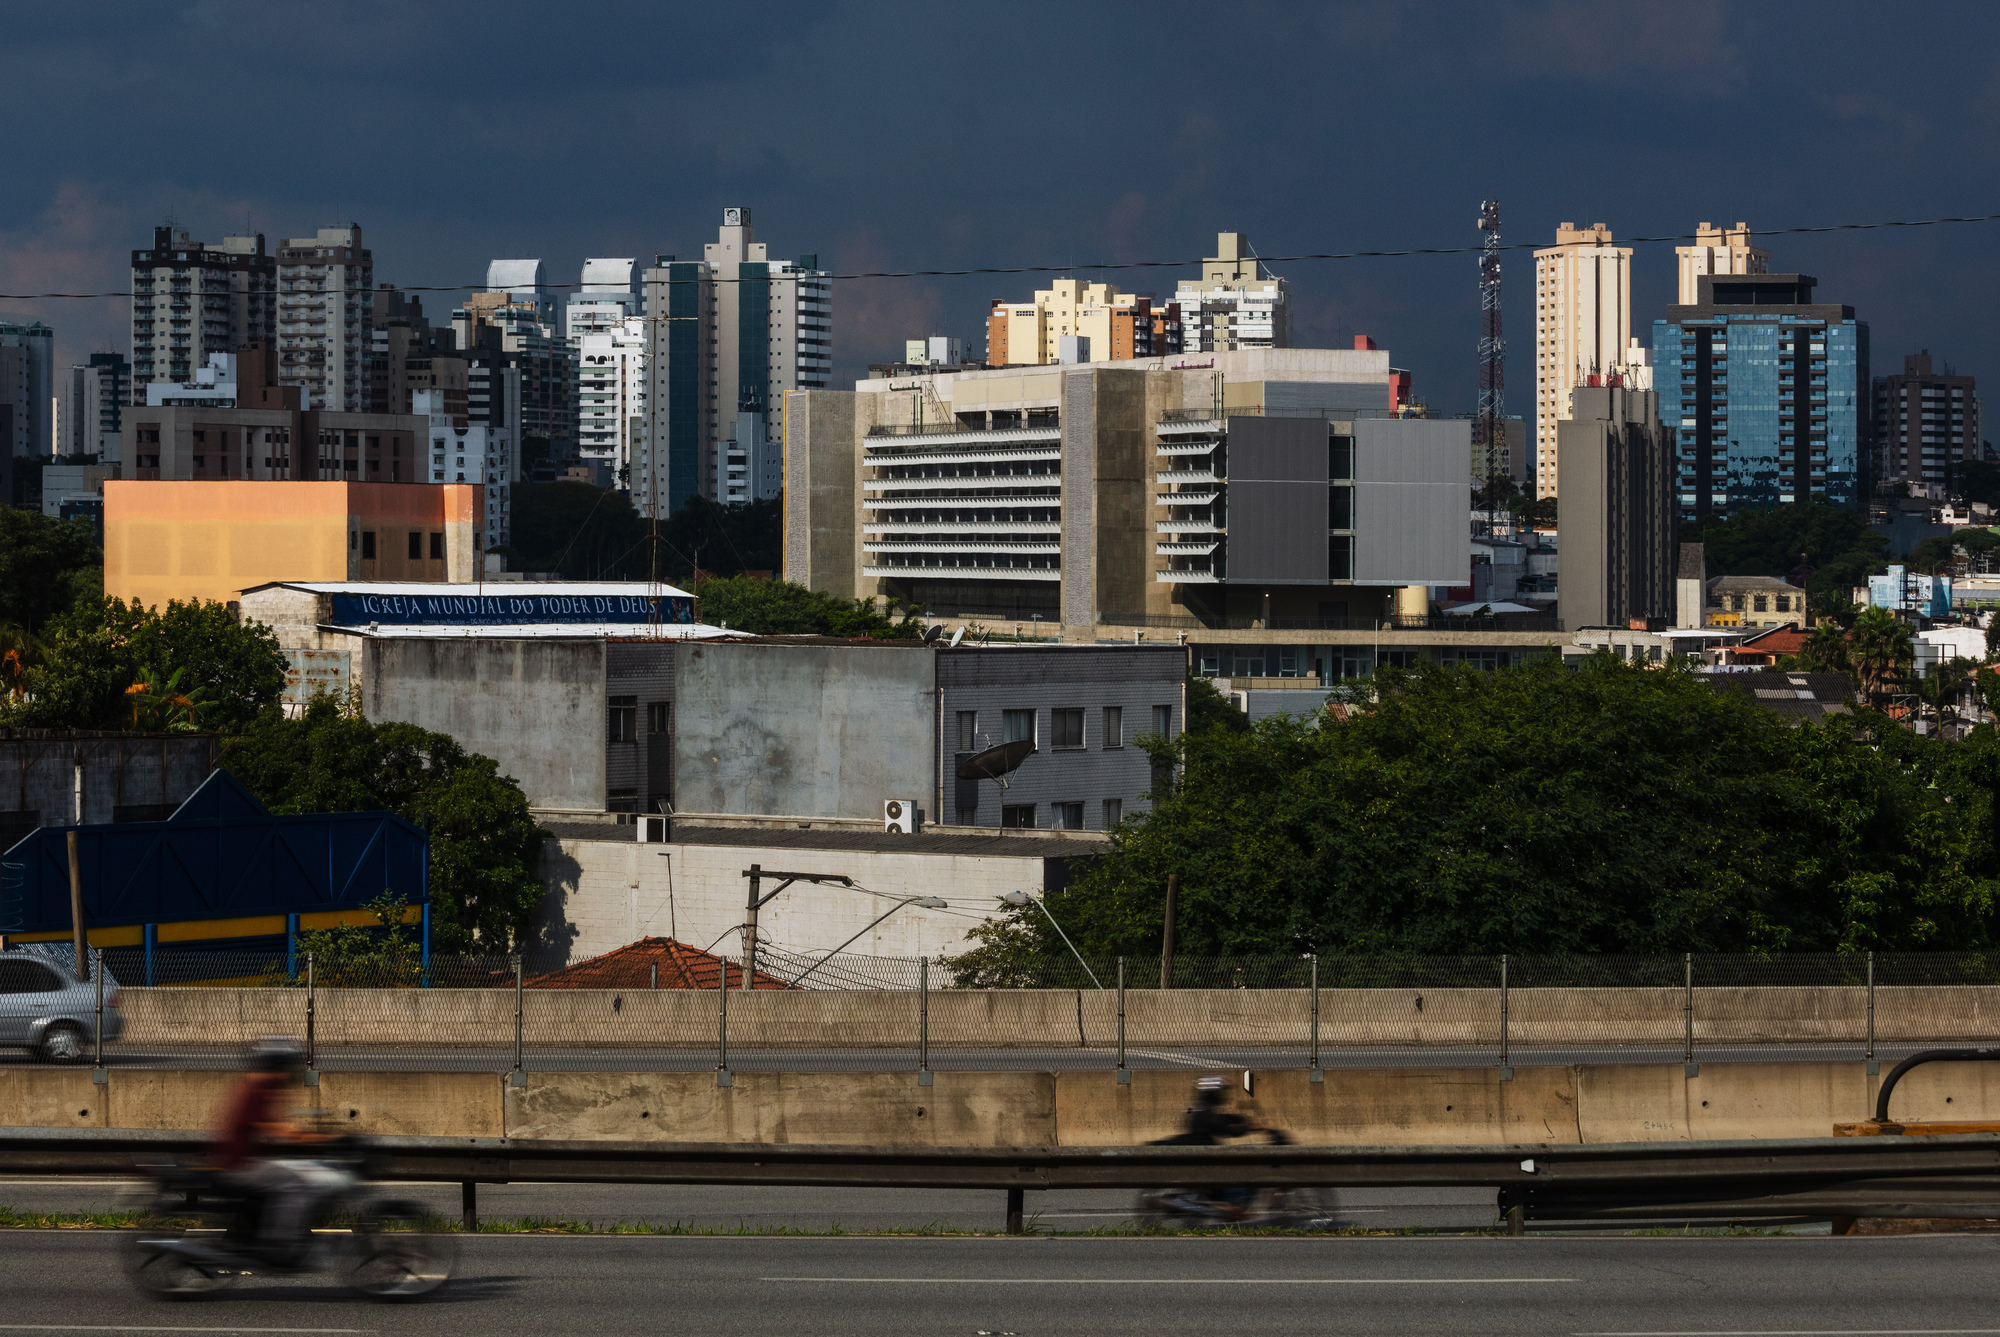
{"x": 1127, "y": 264}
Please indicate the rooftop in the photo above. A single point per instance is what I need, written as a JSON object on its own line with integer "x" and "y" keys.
{"x": 540, "y": 589}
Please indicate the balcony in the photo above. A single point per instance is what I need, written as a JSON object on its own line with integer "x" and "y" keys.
{"x": 1188, "y": 447}
{"x": 1201, "y": 549}
{"x": 962, "y": 526}
{"x": 1204, "y": 496}
{"x": 963, "y": 571}
{"x": 1186, "y": 476}
{"x": 895, "y": 439}
{"x": 1188, "y": 527}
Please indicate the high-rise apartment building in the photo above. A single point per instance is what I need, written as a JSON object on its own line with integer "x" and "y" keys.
{"x": 517, "y": 324}
{"x": 611, "y": 393}
{"x": 1617, "y": 558}
{"x": 27, "y": 390}
{"x": 1926, "y": 423}
{"x": 1118, "y": 325}
{"x": 523, "y": 284}
{"x": 728, "y": 334}
{"x": 1237, "y": 303}
{"x": 611, "y": 293}
{"x": 411, "y": 356}
{"x": 326, "y": 314}
{"x": 191, "y": 300}
{"x": 1773, "y": 389}
{"x": 1717, "y": 251}
{"x": 1583, "y": 323}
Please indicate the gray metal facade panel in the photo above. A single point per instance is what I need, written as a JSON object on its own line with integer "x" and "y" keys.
{"x": 1410, "y": 502}
{"x": 1337, "y": 396}
{"x": 1277, "y": 514}
{"x": 1292, "y": 450}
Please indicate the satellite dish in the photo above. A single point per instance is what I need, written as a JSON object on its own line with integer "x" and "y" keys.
{"x": 996, "y": 763}
{"x": 956, "y": 637}
{"x": 932, "y": 632}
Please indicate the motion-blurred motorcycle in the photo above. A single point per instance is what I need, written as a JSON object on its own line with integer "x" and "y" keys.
{"x": 195, "y": 1234}
{"x": 1240, "y": 1206}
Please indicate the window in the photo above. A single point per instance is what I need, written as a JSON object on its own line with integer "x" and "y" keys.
{"x": 416, "y": 546}
{"x": 1114, "y": 812}
{"x": 1784, "y": 603}
{"x": 621, "y": 800}
{"x": 437, "y": 547}
{"x": 968, "y": 731}
{"x": 1340, "y": 557}
{"x": 623, "y": 719}
{"x": 19, "y": 976}
{"x": 1163, "y": 721}
{"x": 1340, "y": 458}
{"x": 1114, "y": 726}
{"x": 659, "y": 716}
{"x": 968, "y": 816}
{"x": 1018, "y": 815}
{"x": 1760, "y": 603}
{"x": 1020, "y": 725}
{"x": 1066, "y": 816}
{"x": 1066, "y": 728}
{"x": 367, "y": 545}
{"x": 1340, "y": 507}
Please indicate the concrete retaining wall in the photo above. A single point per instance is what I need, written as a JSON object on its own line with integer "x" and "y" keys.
{"x": 1062, "y": 1018}
{"x": 1368, "y": 1106}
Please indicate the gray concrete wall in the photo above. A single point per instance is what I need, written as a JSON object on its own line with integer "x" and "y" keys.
{"x": 132, "y": 777}
{"x": 821, "y": 501}
{"x": 535, "y": 706}
{"x": 803, "y": 730}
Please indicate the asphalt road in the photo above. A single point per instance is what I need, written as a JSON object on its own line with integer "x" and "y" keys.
{"x": 885, "y": 1287}
{"x": 583, "y": 1058}
{"x": 730, "y": 1208}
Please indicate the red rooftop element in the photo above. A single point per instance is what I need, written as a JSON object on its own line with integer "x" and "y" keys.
{"x": 651, "y": 963}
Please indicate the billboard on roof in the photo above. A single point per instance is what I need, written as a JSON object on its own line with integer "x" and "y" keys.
{"x": 510, "y": 609}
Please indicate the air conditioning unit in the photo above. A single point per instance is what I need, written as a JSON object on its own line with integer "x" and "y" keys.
{"x": 901, "y": 814}
{"x": 652, "y": 830}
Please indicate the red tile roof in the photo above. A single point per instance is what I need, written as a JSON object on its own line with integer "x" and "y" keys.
{"x": 652, "y": 963}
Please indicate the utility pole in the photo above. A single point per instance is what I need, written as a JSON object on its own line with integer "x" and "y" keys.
{"x": 756, "y": 873}
{"x": 1167, "y": 939}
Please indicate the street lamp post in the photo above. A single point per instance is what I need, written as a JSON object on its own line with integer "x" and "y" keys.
{"x": 1021, "y": 899}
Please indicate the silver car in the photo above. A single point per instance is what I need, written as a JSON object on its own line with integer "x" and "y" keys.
{"x": 45, "y": 1008}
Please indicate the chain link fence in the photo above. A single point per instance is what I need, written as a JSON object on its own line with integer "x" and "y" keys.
{"x": 690, "y": 1010}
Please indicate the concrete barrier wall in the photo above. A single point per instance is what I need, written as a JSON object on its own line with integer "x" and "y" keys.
{"x": 1364, "y": 1106}
{"x": 1060, "y": 1018}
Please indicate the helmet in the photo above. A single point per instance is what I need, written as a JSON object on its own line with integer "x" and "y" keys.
{"x": 1209, "y": 1090}
{"x": 277, "y": 1053}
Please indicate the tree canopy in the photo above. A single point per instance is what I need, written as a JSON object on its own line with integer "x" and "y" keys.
{"x": 1836, "y": 542}
{"x": 593, "y": 533}
{"x": 46, "y": 566}
{"x": 485, "y": 850}
{"x": 781, "y": 608}
{"x": 1606, "y": 808}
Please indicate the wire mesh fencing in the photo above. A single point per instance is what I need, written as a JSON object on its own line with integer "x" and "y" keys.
{"x": 689, "y": 1010}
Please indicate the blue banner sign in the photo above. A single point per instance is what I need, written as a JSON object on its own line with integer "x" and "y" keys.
{"x": 490, "y": 610}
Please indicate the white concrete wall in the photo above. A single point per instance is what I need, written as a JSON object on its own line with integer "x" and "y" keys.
{"x": 605, "y": 894}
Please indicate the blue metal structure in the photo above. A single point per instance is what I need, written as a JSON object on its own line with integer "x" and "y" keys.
{"x": 223, "y": 866}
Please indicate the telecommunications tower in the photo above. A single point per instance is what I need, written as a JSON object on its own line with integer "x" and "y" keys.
{"x": 1491, "y": 429}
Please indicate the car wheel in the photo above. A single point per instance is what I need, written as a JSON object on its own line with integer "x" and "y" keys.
{"x": 62, "y": 1042}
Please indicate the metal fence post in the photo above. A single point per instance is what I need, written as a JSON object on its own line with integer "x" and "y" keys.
{"x": 1874, "y": 1065}
{"x": 98, "y": 1076}
{"x": 1317, "y": 1074}
{"x": 1506, "y": 1004}
{"x": 923, "y": 1021}
{"x": 1690, "y": 1067}
{"x": 520, "y": 1077}
{"x": 1124, "y": 1073}
{"x": 312, "y": 1007}
{"x": 722, "y": 1077}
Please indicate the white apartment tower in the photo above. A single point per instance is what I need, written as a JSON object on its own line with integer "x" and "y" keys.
{"x": 1236, "y": 304}
{"x": 326, "y": 317}
{"x": 1583, "y": 326}
{"x": 728, "y": 334}
{"x": 1717, "y": 251}
{"x": 191, "y": 300}
{"x": 611, "y": 393}
{"x": 611, "y": 293}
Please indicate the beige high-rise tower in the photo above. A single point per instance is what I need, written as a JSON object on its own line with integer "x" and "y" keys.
{"x": 1583, "y": 322}
{"x": 1717, "y": 251}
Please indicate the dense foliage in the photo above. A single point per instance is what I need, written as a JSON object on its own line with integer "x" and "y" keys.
{"x": 485, "y": 847}
{"x": 110, "y": 664}
{"x": 592, "y": 533}
{"x": 781, "y": 608}
{"x": 1831, "y": 548}
{"x": 46, "y": 566}
{"x": 1606, "y": 808}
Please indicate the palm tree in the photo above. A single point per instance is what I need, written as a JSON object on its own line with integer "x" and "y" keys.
{"x": 1940, "y": 691}
{"x": 1826, "y": 649}
{"x": 1878, "y": 651}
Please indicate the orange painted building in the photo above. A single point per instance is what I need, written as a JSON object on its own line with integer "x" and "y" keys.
{"x": 211, "y": 540}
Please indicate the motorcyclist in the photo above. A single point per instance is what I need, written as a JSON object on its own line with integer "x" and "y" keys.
{"x": 1207, "y": 1125}
{"x": 250, "y": 1146}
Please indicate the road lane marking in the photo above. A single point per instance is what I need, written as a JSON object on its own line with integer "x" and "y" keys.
{"x": 1216, "y": 1281}
{"x": 1805, "y": 1332}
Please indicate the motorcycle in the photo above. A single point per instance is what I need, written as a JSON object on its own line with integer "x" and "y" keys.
{"x": 1241, "y": 1207}
{"x": 196, "y": 1234}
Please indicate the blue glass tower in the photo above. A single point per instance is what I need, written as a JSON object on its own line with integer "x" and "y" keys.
{"x": 1766, "y": 393}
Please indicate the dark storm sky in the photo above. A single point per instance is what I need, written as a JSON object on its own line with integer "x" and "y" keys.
{"x": 941, "y": 136}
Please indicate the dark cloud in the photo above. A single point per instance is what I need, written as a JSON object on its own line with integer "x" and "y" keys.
{"x": 927, "y": 136}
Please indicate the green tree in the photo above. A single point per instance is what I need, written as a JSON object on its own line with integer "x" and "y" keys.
{"x": 577, "y": 531}
{"x": 1879, "y": 651}
{"x": 46, "y": 566}
{"x": 1835, "y": 541}
{"x": 97, "y": 652}
{"x": 485, "y": 852}
{"x": 383, "y": 955}
{"x": 1605, "y": 808}
{"x": 1208, "y": 708}
{"x": 781, "y": 608}
{"x": 1939, "y": 691}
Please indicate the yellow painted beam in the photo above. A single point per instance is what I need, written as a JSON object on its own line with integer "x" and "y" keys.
{"x": 195, "y": 930}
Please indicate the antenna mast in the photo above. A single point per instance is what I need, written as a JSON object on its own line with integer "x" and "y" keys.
{"x": 1491, "y": 428}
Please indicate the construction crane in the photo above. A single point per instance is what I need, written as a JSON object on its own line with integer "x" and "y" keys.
{"x": 1491, "y": 427}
